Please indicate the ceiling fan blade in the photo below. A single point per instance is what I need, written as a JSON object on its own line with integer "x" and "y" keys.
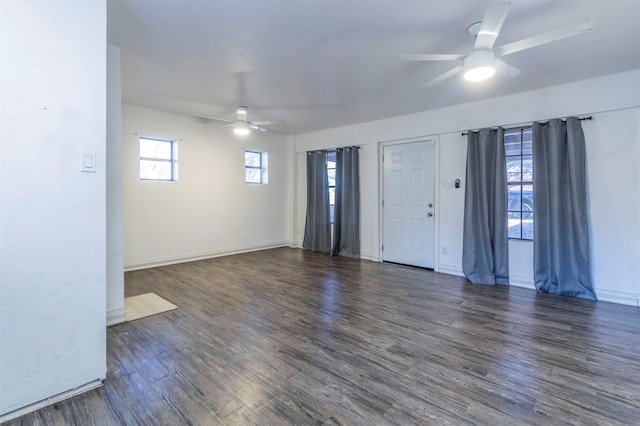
{"x": 429, "y": 57}
{"x": 253, "y": 126}
{"x": 492, "y": 21}
{"x": 266, "y": 123}
{"x": 444, "y": 76}
{"x": 505, "y": 69}
{"x": 222, "y": 120}
{"x": 544, "y": 38}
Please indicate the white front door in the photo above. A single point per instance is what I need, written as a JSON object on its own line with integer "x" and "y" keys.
{"x": 408, "y": 204}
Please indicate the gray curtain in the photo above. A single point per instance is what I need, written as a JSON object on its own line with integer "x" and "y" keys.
{"x": 346, "y": 219}
{"x": 561, "y": 254}
{"x": 485, "y": 254}
{"x": 317, "y": 232}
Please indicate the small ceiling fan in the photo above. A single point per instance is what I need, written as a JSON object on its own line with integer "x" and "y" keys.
{"x": 242, "y": 126}
{"x": 481, "y": 63}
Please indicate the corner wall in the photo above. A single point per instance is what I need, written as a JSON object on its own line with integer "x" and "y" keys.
{"x": 52, "y": 215}
{"x": 210, "y": 210}
{"x": 115, "y": 248}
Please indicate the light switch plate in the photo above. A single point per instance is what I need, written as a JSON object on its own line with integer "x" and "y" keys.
{"x": 88, "y": 162}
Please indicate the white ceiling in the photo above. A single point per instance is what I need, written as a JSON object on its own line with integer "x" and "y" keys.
{"x": 322, "y": 64}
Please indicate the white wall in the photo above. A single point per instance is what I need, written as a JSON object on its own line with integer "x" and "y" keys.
{"x": 52, "y": 216}
{"x": 614, "y": 162}
{"x": 210, "y": 210}
{"x": 115, "y": 226}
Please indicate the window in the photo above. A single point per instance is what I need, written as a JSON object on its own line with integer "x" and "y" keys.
{"x": 255, "y": 167}
{"x": 331, "y": 174}
{"x": 518, "y": 150}
{"x": 158, "y": 159}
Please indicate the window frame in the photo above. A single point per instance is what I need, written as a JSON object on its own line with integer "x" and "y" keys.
{"x": 521, "y": 183}
{"x": 263, "y": 168}
{"x": 173, "y": 159}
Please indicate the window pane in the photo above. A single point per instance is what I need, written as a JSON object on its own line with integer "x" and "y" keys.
{"x": 515, "y": 198}
{"x": 332, "y": 177}
{"x": 527, "y": 198}
{"x": 150, "y": 148}
{"x": 512, "y": 143}
{"x": 526, "y": 141}
{"x": 514, "y": 172}
{"x": 150, "y": 169}
{"x": 527, "y": 168}
{"x": 514, "y": 224}
{"x": 253, "y": 175}
{"x": 252, "y": 159}
{"x": 518, "y": 144}
{"x": 527, "y": 226}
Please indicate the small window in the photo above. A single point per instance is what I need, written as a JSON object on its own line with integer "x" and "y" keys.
{"x": 331, "y": 174}
{"x": 518, "y": 151}
{"x": 256, "y": 167}
{"x": 158, "y": 159}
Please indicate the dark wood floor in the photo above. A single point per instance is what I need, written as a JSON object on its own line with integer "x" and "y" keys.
{"x": 287, "y": 336}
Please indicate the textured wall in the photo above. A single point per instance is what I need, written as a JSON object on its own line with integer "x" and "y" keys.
{"x": 52, "y": 215}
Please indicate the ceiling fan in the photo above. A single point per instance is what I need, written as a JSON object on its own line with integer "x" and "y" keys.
{"x": 482, "y": 62}
{"x": 242, "y": 126}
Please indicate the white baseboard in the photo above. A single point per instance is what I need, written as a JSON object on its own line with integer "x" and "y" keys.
{"x": 522, "y": 282}
{"x": 628, "y": 299}
{"x": 451, "y": 270}
{"x": 117, "y": 316}
{"x": 620, "y": 298}
{"x": 368, "y": 256}
{"x": 152, "y": 263}
{"x": 51, "y": 400}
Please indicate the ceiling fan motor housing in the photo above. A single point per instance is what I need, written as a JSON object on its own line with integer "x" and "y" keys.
{"x": 479, "y": 58}
{"x": 479, "y": 64}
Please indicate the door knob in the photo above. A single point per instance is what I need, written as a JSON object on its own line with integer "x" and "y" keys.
{"x": 429, "y": 214}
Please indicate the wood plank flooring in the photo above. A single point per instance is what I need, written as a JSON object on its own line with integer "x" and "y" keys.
{"x": 291, "y": 337}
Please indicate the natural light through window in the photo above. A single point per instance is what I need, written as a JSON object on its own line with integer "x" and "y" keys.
{"x": 256, "y": 167}
{"x": 331, "y": 174}
{"x": 158, "y": 159}
{"x": 518, "y": 150}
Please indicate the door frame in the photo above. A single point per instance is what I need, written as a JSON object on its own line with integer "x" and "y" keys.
{"x": 436, "y": 192}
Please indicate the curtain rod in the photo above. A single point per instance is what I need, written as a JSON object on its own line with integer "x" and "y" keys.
{"x": 515, "y": 127}
{"x": 329, "y": 149}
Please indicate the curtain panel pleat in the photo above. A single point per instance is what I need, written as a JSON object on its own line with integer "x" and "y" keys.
{"x": 485, "y": 244}
{"x": 346, "y": 219}
{"x": 317, "y": 231}
{"x": 561, "y": 252}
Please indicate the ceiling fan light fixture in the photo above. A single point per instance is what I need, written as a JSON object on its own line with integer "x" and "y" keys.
{"x": 241, "y": 128}
{"x": 479, "y": 73}
{"x": 479, "y": 65}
